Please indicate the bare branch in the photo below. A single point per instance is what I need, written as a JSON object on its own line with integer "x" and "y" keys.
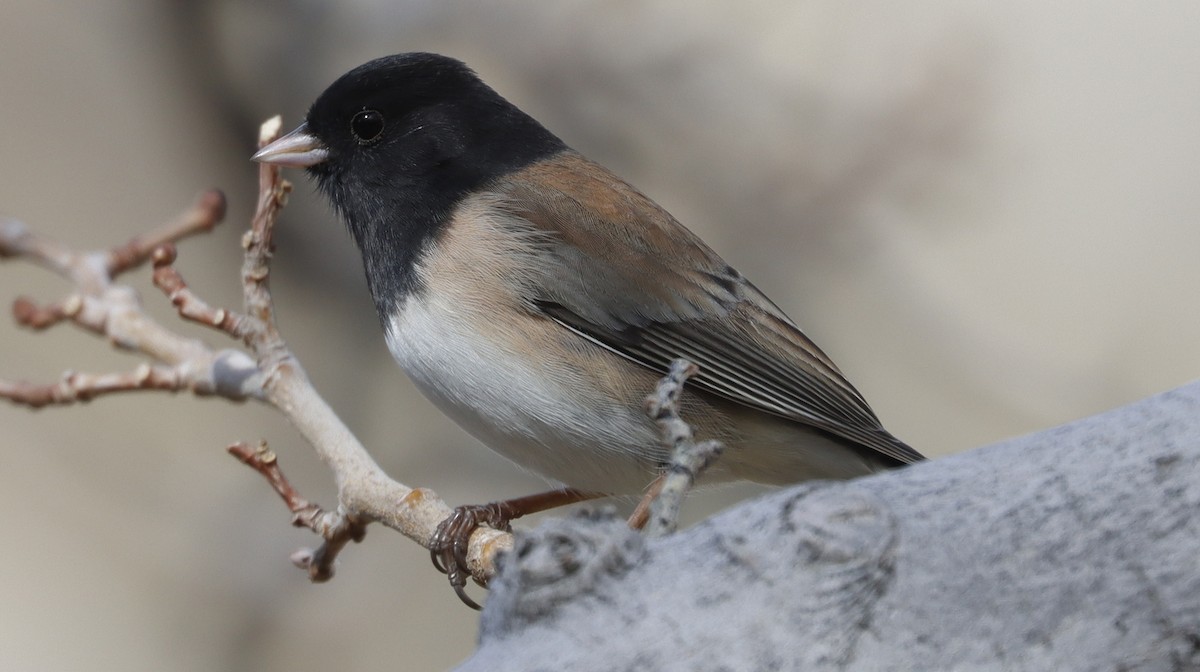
{"x": 28, "y": 314}
{"x": 205, "y": 213}
{"x": 115, "y": 312}
{"x": 259, "y": 240}
{"x": 79, "y": 387}
{"x": 266, "y": 463}
{"x": 268, "y": 372}
{"x": 337, "y": 529}
{"x": 190, "y": 306}
{"x": 688, "y": 458}
{"x": 16, "y": 240}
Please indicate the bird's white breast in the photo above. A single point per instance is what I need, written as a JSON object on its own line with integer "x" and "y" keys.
{"x": 495, "y": 383}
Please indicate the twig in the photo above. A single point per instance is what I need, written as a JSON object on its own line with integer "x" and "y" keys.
{"x": 115, "y": 312}
{"x": 202, "y": 217}
{"x": 259, "y": 240}
{"x": 268, "y": 372}
{"x": 337, "y": 529}
{"x": 28, "y": 314}
{"x": 688, "y": 459}
{"x": 80, "y": 387}
{"x": 191, "y": 307}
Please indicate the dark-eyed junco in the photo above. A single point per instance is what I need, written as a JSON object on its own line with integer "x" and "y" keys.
{"x": 536, "y": 297}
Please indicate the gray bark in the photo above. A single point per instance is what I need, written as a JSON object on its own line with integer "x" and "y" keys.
{"x": 1076, "y": 548}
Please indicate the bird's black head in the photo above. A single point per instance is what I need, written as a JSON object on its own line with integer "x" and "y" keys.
{"x": 396, "y": 143}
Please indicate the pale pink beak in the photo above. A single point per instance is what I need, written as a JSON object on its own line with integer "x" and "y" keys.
{"x": 298, "y": 149}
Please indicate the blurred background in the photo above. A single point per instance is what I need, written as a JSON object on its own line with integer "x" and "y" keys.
{"x": 985, "y": 212}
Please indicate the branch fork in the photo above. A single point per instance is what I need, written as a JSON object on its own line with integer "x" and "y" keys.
{"x": 263, "y": 369}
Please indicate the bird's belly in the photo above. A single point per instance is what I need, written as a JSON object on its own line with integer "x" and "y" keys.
{"x": 537, "y": 409}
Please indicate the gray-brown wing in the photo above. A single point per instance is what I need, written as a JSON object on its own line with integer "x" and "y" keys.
{"x": 651, "y": 291}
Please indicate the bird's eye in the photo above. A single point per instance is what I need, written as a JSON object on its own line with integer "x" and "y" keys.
{"x": 367, "y": 126}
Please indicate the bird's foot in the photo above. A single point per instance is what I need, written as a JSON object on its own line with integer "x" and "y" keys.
{"x": 448, "y": 546}
{"x": 450, "y": 542}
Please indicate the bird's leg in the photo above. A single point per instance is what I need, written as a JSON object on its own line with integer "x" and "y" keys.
{"x": 641, "y": 513}
{"x": 448, "y": 546}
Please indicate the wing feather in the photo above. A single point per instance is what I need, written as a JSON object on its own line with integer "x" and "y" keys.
{"x": 651, "y": 291}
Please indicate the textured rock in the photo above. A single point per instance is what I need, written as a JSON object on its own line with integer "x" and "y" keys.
{"x": 1077, "y": 548}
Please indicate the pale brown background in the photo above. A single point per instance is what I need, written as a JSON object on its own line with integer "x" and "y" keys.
{"x": 986, "y": 212}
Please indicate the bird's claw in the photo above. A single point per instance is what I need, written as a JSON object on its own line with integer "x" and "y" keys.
{"x": 450, "y": 542}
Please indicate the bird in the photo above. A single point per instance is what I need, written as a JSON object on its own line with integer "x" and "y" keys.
{"x": 535, "y": 297}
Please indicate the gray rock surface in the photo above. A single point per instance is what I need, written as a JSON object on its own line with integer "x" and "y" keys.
{"x": 1076, "y": 548}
